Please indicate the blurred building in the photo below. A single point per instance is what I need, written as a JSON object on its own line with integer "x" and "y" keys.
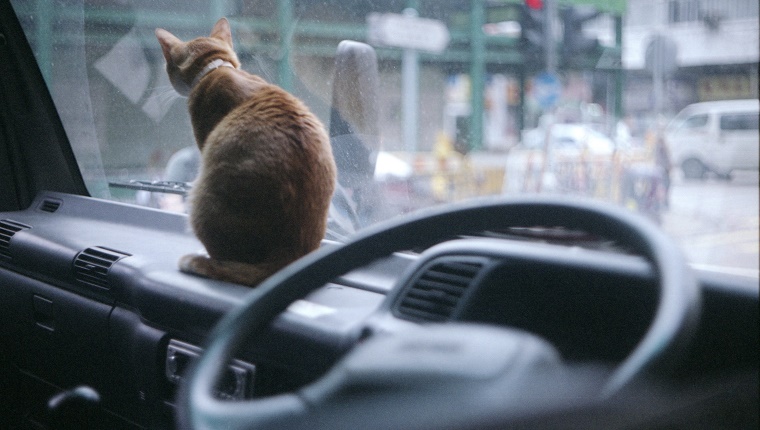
{"x": 716, "y": 49}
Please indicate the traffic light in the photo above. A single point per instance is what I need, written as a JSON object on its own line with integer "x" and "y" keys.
{"x": 576, "y": 47}
{"x": 532, "y": 34}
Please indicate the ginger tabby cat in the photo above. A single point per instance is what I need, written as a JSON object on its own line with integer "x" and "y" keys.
{"x": 267, "y": 172}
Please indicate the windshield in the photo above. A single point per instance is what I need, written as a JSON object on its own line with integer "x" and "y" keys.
{"x": 442, "y": 101}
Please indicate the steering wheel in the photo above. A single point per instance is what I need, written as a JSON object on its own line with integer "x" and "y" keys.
{"x": 672, "y": 326}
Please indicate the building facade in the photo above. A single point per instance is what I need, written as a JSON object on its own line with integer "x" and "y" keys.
{"x": 714, "y": 52}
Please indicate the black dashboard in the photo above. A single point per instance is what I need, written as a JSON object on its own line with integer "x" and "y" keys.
{"x": 90, "y": 294}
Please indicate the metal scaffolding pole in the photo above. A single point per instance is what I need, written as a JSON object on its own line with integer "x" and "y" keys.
{"x": 477, "y": 72}
{"x": 286, "y": 28}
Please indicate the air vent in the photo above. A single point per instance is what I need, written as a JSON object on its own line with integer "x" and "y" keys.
{"x": 434, "y": 295}
{"x": 91, "y": 266}
{"x": 49, "y": 205}
{"x": 7, "y": 229}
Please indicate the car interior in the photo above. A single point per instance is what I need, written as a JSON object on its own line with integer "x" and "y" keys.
{"x": 513, "y": 311}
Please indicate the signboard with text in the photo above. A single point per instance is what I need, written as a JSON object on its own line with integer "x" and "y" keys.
{"x": 408, "y": 32}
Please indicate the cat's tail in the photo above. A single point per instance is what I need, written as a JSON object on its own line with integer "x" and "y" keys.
{"x": 250, "y": 274}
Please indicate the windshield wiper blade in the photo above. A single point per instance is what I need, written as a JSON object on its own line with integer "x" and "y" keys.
{"x": 168, "y": 187}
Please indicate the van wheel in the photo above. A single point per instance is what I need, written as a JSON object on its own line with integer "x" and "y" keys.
{"x": 693, "y": 169}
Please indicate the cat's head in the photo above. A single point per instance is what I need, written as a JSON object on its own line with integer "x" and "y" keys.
{"x": 186, "y": 60}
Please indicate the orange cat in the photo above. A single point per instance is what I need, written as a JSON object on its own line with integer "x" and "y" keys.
{"x": 267, "y": 173}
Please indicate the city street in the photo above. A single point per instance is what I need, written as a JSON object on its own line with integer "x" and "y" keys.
{"x": 716, "y": 222}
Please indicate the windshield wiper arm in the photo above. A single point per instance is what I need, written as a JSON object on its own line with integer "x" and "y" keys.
{"x": 168, "y": 187}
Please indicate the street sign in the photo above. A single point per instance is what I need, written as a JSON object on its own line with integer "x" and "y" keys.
{"x": 547, "y": 89}
{"x": 661, "y": 55}
{"x": 405, "y": 31}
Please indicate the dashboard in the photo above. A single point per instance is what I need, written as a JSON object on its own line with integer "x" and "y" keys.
{"x": 90, "y": 294}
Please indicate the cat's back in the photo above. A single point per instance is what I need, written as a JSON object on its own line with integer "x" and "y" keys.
{"x": 270, "y": 143}
{"x": 247, "y": 105}
{"x": 273, "y": 125}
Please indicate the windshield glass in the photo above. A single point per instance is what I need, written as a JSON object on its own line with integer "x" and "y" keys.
{"x": 441, "y": 101}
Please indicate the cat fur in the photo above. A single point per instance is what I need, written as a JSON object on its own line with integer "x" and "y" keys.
{"x": 267, "y": 173}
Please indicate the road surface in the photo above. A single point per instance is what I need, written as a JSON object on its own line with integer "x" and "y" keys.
{"x": 716, "y": 222}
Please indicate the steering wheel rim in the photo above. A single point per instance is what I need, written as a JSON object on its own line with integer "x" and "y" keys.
{"x": 671, "y": 328}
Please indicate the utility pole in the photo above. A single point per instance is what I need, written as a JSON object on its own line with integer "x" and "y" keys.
{"x": 550, "y": 52}
{"x": 410, "y": 83}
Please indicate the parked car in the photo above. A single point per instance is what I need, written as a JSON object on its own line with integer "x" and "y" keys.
{"x": 506, "y": 312}
{"x": 717, "y": 137}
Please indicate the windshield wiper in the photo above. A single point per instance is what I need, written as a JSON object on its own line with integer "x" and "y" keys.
{"x": 168, "y": 187}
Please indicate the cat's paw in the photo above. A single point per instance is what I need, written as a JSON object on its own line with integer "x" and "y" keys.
{"x": 196, "y": 264}
{"x": 228, "y": 271}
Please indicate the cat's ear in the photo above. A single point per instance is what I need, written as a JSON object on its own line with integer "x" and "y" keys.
{"x": 167, "y": 42}
{"x": 222, "y": 31}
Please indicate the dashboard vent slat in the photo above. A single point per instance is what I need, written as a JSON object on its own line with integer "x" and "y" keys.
{"x": 435, "y": 294}
{"x": 49, "y": 205}
{"x": 7, "y": 229}
{"x": 92, "y": 265}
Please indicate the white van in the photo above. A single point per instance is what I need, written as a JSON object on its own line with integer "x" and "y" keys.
{"x": 717, "y": 137}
